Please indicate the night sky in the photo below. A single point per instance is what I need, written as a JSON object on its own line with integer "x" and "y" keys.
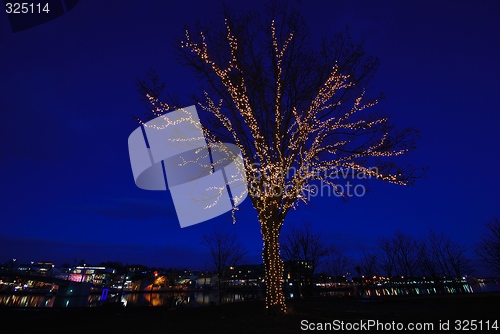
{"x": 68, "y": 91}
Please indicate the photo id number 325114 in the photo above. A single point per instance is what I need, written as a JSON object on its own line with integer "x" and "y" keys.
{"x": 27, "y": 7}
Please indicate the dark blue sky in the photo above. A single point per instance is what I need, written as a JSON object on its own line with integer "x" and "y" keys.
{"x": 68, "y": 92}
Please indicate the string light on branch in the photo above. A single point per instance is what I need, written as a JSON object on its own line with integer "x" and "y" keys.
{"x": 286, "y": 145}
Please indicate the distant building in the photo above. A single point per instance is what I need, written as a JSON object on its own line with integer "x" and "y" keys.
{"x": 97, "y": 275}
{"x": 206, "y": 280}
{"x": 136, "y": 268}
{"x": 298, "y": 277}
{"x": 249, "y": 274}
{"x": 39, "y": 268}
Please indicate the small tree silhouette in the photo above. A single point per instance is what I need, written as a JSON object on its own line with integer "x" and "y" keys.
{"x": 225, "y": 252}
{"x": 489, "y": 246}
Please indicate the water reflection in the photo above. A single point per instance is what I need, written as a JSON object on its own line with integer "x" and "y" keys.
{"x": 176, "y": 299}
{"x": 170, "y": 299}
{"x": 390, "y": 290}
{"x": 26, "y": 300}
{"x": 173, "y": 299}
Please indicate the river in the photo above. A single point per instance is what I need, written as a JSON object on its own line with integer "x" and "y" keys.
{"x": 173, "y": 299}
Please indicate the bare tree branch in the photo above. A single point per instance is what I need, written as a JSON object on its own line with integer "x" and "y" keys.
{"x": 296, "y": 111}
{"x": 489, "y": 247}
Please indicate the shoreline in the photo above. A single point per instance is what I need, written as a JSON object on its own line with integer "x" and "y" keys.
{"x": 250, "y": 317}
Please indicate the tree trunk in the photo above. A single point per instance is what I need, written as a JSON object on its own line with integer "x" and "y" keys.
{"x": 219, "y": 293}
{"x": 275, "y": 299}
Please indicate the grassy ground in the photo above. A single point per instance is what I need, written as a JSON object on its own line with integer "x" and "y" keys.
{"x": 250, "y": 317}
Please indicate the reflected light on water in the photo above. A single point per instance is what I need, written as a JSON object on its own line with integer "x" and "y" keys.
{"x": 172, "y": 299}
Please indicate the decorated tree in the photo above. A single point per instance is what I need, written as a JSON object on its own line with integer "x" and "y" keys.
{"x": 298, "y": 113}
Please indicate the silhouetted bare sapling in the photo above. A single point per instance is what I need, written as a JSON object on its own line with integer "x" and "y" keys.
{"x": 225, "y": 251}
{"x": 489, "y": 246}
